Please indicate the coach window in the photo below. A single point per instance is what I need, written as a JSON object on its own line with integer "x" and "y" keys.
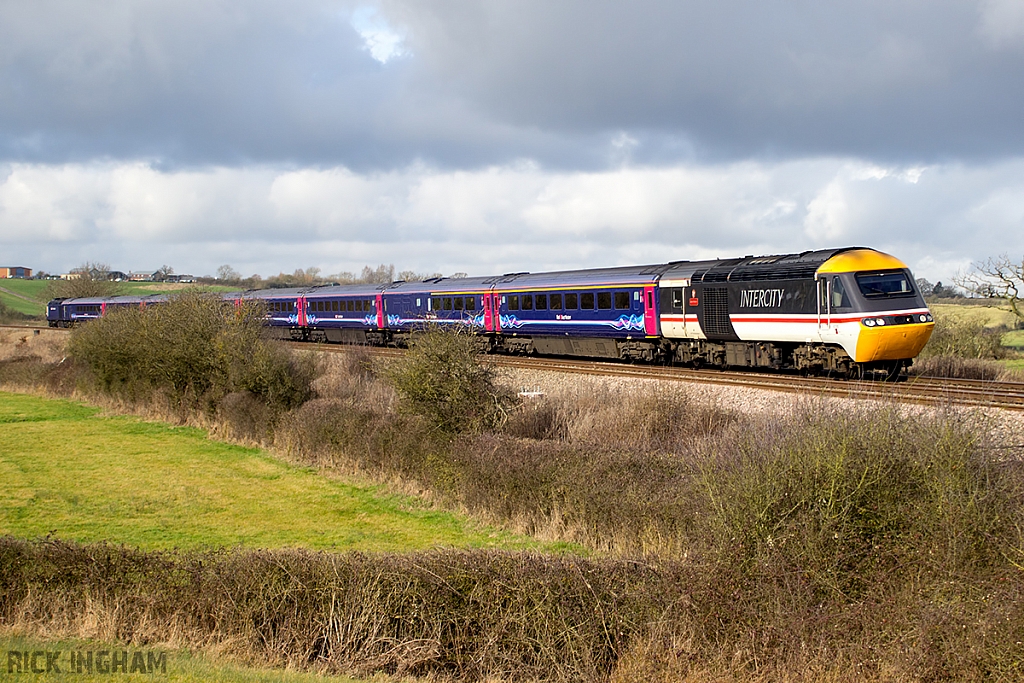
{"x": 470, "y": 303}
{"x": 556, "y": 302}
{"x": 541, "y": 302}
{"x": 447, "y": 303}
{"x": 572, "y": 302}
{"x": 513, "y": 303}
{"x": 587, "y": 301}
{"x": 458, "y": 303}
{"x": 622, "y": 300}
{"x": 418, "y": 305}
{"x": 604, "y": 300}
{"x": 527, "y": 302}
{"x": 677, "y": 298}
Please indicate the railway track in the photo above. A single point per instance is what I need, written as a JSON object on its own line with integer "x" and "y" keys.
{"x": 920, "y": 390}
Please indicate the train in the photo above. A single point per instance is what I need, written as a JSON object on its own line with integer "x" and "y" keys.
{"x": 848, "y": 312}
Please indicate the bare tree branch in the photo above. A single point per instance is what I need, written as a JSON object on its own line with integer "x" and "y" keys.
{"x": 998, "y": 277}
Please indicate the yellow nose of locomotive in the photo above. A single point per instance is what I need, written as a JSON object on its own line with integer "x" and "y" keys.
{"x": 895, "y": 342}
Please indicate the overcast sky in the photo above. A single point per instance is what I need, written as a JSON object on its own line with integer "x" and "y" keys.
{"x": 449, "y": 135}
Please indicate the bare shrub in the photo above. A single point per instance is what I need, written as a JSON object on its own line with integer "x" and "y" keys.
{"x": 487, "y": 615}
{"x": 955, "y": 367}
{"x": 538, "y": 419}
{"x": 854, "y": 497}
{"x": 442, "y": 379}
{"x": 195, "y": 348}
{"x": 434, "y": 613}
{"x": 964, "y": 338}
{"x": 246, "y": 418}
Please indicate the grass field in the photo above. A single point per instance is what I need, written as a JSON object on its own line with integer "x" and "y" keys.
{"x": 1014, "y": 339}
{"x": 992, "y": 316}
{"x": 181, "y": 666}
{"x": 23, "y": 296}
{"x": 73, "y": 473}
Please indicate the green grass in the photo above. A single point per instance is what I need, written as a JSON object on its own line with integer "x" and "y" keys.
{"x": 32, "y": 289}
{"x": 992, "y": 316}
{"x": 181, "y": 666}
{"x": 1014, "y": 339}
{"x": 1013, "y": 364}
{"x": 70, "y": 472}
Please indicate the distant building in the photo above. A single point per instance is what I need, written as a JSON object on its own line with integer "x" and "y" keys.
{"x": 70, "y": 276}
{"x": 117, "y": 276}
{"x": 140, "y": 276}
{"x": 180, "y": 278}
{"x": 15, "y": 271}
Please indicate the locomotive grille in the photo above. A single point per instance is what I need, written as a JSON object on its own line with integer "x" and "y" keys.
{"x": 715, "y": 313}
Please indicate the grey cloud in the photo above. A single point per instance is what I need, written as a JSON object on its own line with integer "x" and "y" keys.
{"x": 886, "y": 79}
{"x": 193, "y": 83}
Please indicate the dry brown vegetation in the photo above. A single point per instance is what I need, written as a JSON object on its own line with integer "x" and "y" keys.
{"x": 964, "y": 348}
{"x": 835, "y": 543}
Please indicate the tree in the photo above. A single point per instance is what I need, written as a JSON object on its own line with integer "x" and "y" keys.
{"x": 162, "y": 273}
{"x": 998, "y": 277}
{"x": 90, "y": 281}
{"x": 383, "y": 275}
{"x": 228, "y": 274}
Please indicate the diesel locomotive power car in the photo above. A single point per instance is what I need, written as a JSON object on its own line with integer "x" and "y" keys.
{"x": 846, "y": 312}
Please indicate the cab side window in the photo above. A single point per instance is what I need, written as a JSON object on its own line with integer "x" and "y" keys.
{"x": 839, "y": 298}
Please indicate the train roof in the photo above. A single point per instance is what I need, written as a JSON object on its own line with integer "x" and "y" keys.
{"x": 372, "y": 289}
{"x": 770, "y": 267}
{"x": 442, "y": 284}
{"x": 593, "y": 277}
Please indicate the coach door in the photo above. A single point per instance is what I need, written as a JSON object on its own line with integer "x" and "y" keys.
{"x": 380, "y": 311}
{"x": 488, "y": 312}
{"x": 495, "y": 311}
{"x": 300, "y": 310}
{"x": 650, "y": 312}
{"x": 824, "y": 309}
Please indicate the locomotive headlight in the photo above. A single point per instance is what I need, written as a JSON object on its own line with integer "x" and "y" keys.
{"x": 869, "y": 322}
{"x": 879, "y": 321}
{"x": 923, "y": 318}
